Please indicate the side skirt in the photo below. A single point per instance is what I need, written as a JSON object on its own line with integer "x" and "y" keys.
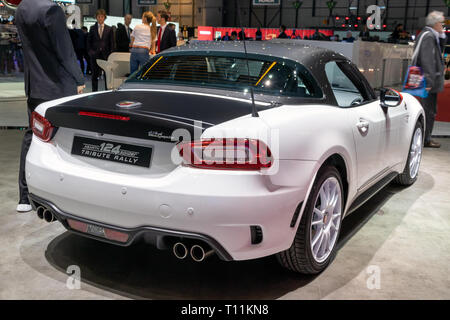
{"x": 369, "y": 193}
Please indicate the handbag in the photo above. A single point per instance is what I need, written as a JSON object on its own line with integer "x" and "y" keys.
{"x": 415, "y": 82}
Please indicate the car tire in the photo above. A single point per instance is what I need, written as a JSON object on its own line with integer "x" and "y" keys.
{"x": 301, "y": 256}
{"x": 411, "y": 171}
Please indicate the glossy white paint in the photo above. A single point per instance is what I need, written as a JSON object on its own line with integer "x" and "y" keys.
{"x": 226, "y": 203}
{"x": 372, "y": 145}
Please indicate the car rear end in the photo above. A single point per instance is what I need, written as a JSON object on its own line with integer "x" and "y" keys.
{"x": 120, "y": 175}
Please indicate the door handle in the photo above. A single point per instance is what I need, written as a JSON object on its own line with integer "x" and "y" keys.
{"x": 363, "y": 126}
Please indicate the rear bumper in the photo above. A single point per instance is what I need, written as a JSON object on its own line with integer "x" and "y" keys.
{"x": 215, "y": 206}
{"x": 134, "y": 234}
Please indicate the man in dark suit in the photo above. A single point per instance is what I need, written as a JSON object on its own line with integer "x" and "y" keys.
{"x": 258, "y": 35}
{"x": 51, "y": 68}
{"x": 85, "y": 51}
{"x": 100, "y": 45}
{"x": 283, "y": 34}
{"x": 226, "y": 37}
{"x": 79, "y": 44}
{"x": 430, "y": 59}
{"x": 123, "y": 35}
{"x": 364, "y": 35}
{"x": 166, "y": 35}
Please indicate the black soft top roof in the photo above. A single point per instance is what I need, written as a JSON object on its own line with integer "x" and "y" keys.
{"x": 307, "y": 55}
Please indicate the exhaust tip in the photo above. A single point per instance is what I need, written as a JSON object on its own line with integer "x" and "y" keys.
{"x": 180, "y": 250}
{"x": 48, "y": 216}
{"x": 199, "y": 254}
{"x": 40, "y": 212}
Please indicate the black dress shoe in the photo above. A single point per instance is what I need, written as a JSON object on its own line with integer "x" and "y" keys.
{"x": 432, "y": 144}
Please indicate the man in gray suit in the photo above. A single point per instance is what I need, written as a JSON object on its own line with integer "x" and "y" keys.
{"x": 51, "y": 68}
{"x": 430, "y": 59}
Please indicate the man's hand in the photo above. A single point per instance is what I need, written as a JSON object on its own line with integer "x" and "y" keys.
{"x": 428, "y": 89}
{"x": 80, "y": 89}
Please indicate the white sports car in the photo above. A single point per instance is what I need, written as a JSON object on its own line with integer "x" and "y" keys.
{"x": 181, "y": 158}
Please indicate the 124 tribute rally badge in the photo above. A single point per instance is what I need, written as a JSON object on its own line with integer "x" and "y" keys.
{"x": 112, "y": 151}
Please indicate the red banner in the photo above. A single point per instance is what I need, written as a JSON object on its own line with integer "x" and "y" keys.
{"x": 212, "y": 33}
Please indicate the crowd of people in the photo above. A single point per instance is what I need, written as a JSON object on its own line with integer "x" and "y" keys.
{"x": 399, "y": 35}
{"x": 101, "y": 40}
{"x": 97, "y": 43}
{"x": 317, "y": 35}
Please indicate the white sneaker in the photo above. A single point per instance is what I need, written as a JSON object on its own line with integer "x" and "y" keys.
{"x": 24, "y": 207}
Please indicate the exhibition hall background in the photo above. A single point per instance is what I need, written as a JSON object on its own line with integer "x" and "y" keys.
{"x": 189, "y": 15}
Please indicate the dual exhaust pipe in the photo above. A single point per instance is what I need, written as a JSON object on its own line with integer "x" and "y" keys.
{"x": 197, "y": 252}
{"x": 180, "y": 250}
{"x": 45, "y": 214}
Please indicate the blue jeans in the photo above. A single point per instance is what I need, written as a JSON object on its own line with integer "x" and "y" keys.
{"x": 139, "y": 56}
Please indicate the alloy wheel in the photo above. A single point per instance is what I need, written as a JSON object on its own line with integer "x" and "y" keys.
{"x": 326, "y": 219}
{"x": 415, "y": 154}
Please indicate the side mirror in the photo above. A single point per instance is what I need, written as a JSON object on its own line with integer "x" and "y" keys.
{"x": 390, "y": 98}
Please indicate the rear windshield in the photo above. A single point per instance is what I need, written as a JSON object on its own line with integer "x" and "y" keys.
{"x": 266, "y": 76}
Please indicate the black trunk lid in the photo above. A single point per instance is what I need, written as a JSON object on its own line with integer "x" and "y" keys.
{"x": 148, "y": 114}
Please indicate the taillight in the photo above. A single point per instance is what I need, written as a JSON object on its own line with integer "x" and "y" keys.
{"x": 41, "y": 127}
{"x": 231, "y": 153}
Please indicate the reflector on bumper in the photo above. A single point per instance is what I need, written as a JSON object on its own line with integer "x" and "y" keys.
{"x": 98, "y": 231}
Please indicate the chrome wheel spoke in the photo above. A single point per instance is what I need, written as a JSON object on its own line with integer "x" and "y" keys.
{"x": 318, "y": 247}
{"x": 324, "y": 244}
{"x": 328, "y": 240}
{"x": 334, "y": 200}
{"x": 323, "y": 199}
{"x": 335, "y": 220}
{"x": 317, "y": 218}
{"x": 317, "y": 244}
{"x": 333, "y": 238}
{"x": 318, "y": 212}
{"x": 328, "y": 192}
{"x": 317, "y": 236}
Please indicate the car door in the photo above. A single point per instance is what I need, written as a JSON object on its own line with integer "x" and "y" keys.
{"x": 397, "y": 119}
{"x": 365, "y": 118}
